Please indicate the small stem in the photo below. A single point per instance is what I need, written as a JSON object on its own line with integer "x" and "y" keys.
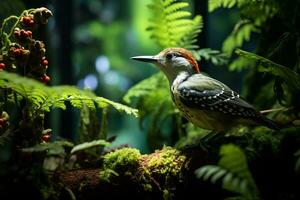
{"x": 4, "y": 37}
{"x": 274, "y": 110}
{"x": 103, "y": 130}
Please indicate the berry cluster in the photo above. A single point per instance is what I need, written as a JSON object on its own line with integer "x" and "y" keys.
{"x": 26, "y": 55}
{"x": 4, "y": 118}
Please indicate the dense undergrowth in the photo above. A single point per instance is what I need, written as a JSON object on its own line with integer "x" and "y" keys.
{"x": 243, "y": 163}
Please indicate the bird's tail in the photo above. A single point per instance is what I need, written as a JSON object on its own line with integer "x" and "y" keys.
{"x": 269, "y": 123}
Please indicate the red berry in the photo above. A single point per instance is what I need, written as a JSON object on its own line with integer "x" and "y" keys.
{"x": 27, "y": 21}
{"x": 24, "y": 33}
{"x": 29, "y": 33}
{"x": 2, "y": 66}
{"x": 46, "y": 137}
{"x": 45, "y": 62}
{"x": 17, "y": 52}
{"x": 2, "y": 121}
{"x": 45, "y": 78}
{"x": 31, "y": 23}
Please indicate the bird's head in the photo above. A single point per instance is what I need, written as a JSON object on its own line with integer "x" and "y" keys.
{"x": 172, "y": 61}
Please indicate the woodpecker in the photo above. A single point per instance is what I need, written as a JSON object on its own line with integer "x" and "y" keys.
{"x": 204, "y": 101}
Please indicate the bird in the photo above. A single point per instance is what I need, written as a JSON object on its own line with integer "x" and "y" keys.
{"x": 204, "y": 101}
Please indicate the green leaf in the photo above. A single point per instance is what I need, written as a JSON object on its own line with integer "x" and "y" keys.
{"x": 56, "y": 148}
{"x": 289, "y": 76}
{"x": 87, "y": 145}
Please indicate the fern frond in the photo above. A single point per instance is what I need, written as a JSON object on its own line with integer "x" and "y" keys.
{"x": 170, "y": 25}
{"x": 42, "y": 97}
{"x": 233, "y": 171}
{"x": 241, "y": 33}
{"x": 240, "y": 63}
{"x": 265, "y": 65}
{"x": 214, "y": 4}
{"x": 214, "y": 56}
{"x": 216, "y": 173}
{"x": 254, "y": 14}
{"x": 176, "y": 6}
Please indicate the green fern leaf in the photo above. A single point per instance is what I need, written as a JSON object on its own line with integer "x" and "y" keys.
{"x": 232, "y": 169}
{"x": 239, "y": 35}
{"x": 214, "y": 4}
{"x": 102, "y": 102}
{"x": 42, "y": 97}
{"x": 170, "y": 25}
{"x": 215, "y": 56}
{"x": 240, "y": 63}
{"x": 176, "y": 6}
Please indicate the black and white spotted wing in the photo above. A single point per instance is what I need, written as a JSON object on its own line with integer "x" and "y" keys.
{"x": 205, "y": 93}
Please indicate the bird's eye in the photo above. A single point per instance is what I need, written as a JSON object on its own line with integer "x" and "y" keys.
{"x": 169, "y": 56}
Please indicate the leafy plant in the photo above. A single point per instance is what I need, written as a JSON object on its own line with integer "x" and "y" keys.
{"x": 25, "y": 101}
{"x": 253, "y": 16}
{"x": 232, "y": 170}
{"x": 39, "y": 98}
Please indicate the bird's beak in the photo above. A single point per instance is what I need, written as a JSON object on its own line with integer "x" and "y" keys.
{"x": 149, "y": 59}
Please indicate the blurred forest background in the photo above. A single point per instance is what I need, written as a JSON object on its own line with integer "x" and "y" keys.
{"x": 90, "y": 42}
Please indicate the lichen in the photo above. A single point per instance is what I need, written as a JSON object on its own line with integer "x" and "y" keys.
{"x": 119, "y": 162}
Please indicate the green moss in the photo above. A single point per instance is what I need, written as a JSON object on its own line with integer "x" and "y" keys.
{"x": 162, "y": 167}
{"x": 168, "y": 162}
{"x": 120, "y": 162}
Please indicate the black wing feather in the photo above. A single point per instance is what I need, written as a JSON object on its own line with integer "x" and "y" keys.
{"x": 222, "y": 100}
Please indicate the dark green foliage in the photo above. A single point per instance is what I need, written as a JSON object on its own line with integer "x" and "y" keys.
{"x": 289, "y": 76}
{"x": 253, "y": 17}
{"x": 233, "y": 171}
